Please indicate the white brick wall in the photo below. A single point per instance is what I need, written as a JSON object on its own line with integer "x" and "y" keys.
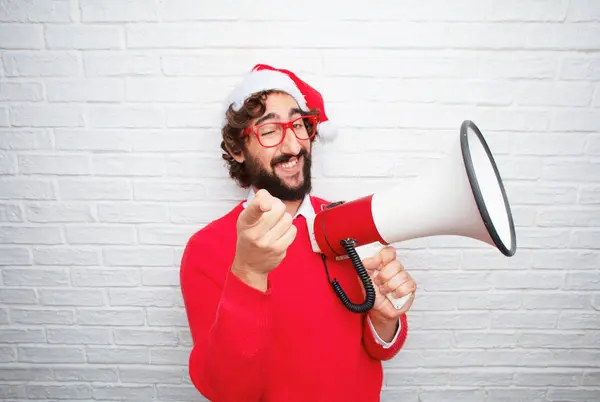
{"x": 109, "y": 161}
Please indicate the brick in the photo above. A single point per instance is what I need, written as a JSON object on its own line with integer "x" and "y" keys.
{"x": 145, "y": 297}
{"x": 145, "y": 337}
{"x": 480, "y": 378}
{"x": 465, "y": 394}
{"x": 575, "y": 120}
{"x": 118, "y": 11}
{"x": 404, "y": 394}
{"x": 17, "y": 296}
{"x": 25, "y": 139}
{"x": 158, "y": 190}
{"x": 21, "y": 91}
{"x": 123, "y": 392}
{"x": 62, "y": 256}
{"x": 489, "y": 301}
{"x": 22, "y": 335}
{"x": 139, "y": 256}
{"x": 453, "y": 320}
{"x": 491, "y": 259}
{"x": 4, "y": 117}
{"x": 169, "y": 356}
{"x": 11, "y": 212}
{"x": 84, "y": 37}
{"x": 555, "y": 144}
{"x": 15, "y": 256}
{"x": 558, "y": 301}
{"x": 8, "y": 164}
{"x": 62, "y": 391}
{"x": 91, "y": 140}
{"x": 580, "y": 170}
{"x": 527, "y": 280}
{"x": 86, "y": 90}
{"x": 106, "y": 116}
{"x": 487, "y": 339}
{"x": 120, "y": 63}
{"x": 176, "y": 89}
{"x": 132, "y": 213}
{"x": 560, "y": 340}
{"x": 4, "y": 316}
{"x": 117, "y": 355}
{"x": 188, "y": 392}
{"x": 435, "y": 302}
{"x": 565, "y": 217}
{"x": 176, "y": 141}
{"x": 99, "y": 234}
{"x": 203, "y": 115}
{"x": 565, "y": 259}
{"x": 79, "y": 336}
{"x": 551, "y": 377}
{"x": 10, "y": 391}
{"x": 111, "y": 317}
{"x": 21, "y": 36}
{"x": 104, "y": 277}
{"x": 36, "y": 11}
{"x": 26, "y": 373}
{"x": 581, "y": 238}
{"x": 35, "y": 277}
{"x": 153, "y": 375}
{"x": 401, "y": 377}
{"x": 161, "y": 277}
{"x": 580, "y": 69}
{"x": 570, "y": 394}
{"x": 573, "y": 320}
{"x": 523, "y": 320}
{"x": 166, "y": 317}
{"x": 187, "y": 166}
{"x": 591, "y": 378}
{"x": 516, "y": 394}
{"x": 41, "y": 64}
{"x": 69, "y": 212}
{"x": 583, "y": 11}
{"x": 589, "y": 194}
{"x": 65, "y": 165}
{"x": 593, "y": 145}
{"x": 583, "y": 280}
{"x": 51, "y": 354}
{"x": 87, "y": 374}
{"x": 30, "y": 235}
{"x": 165, "y": 235}
{"x": 546, "y": 238}
{"x": 96, "y": 189}
{"x": 121, "y": 165}
{"x": 513, "y": 10}
{"x": 70, "y": 297}
{"x": 47, "y": 116}
{"x": 429, "y": 339}
{"x": 201, "y": 213}
{"x": 7, "y": 354}
{"x": 41, "y": 316}
{"x": 446, "y": 281}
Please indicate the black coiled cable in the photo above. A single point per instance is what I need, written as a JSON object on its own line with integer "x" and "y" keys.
{"x": 364, "y": 278}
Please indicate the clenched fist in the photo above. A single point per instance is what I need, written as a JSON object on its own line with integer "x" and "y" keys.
{"x": 264, "y": 233}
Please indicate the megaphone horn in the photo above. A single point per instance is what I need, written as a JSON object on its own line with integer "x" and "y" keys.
{"x": 463, "y": 196}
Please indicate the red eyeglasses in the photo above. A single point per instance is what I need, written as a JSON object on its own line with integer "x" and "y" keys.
{"x": 272, "y": 134}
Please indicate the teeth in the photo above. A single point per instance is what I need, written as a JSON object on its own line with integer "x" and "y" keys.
{"x": 291, "y": 164}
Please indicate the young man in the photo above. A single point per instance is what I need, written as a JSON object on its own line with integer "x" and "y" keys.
{"x": 265, "y": 321}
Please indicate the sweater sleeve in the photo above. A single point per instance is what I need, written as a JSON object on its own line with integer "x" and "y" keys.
{"x": 230, "y": 328}
{"x": 380, "y": 351}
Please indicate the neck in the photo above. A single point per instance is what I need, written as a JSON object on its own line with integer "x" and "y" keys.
{"x": 292, "y": 207}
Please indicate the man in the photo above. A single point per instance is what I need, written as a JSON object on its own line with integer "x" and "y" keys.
{"x": 266, "y": 324}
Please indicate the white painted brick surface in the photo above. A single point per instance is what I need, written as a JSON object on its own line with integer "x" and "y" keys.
{"x": 110, "y": 160}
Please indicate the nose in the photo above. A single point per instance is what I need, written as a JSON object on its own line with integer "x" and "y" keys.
{"x": 290, "y": 143}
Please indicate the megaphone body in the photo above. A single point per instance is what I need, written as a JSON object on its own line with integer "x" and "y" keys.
{"x": 463, "y": 196}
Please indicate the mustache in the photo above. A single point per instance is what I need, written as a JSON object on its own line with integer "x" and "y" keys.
{"x": 287, "y": 157}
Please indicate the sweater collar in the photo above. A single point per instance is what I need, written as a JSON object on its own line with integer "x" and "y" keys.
{"x": 306, "y": 208}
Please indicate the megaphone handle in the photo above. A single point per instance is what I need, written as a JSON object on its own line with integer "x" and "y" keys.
{"x": 400, "y": 301}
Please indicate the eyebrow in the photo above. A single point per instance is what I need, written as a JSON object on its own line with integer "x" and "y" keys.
{"x": 273, "y": 115}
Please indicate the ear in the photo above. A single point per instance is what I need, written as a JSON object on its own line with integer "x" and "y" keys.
{"x": 239, "y": 157}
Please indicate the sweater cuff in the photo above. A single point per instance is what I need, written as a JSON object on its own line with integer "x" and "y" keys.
{"x": 384, "y": 344}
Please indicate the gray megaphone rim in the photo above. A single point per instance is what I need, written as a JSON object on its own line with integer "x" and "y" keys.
{"x": 487, "y": 220}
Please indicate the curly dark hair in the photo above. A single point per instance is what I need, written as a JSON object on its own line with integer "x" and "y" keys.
{"x": 237, "y": 121}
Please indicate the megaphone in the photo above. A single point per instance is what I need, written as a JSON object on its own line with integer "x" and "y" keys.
{"x": 463, "y": 196}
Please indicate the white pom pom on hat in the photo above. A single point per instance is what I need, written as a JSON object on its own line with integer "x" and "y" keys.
{"x": 264, "y": 77}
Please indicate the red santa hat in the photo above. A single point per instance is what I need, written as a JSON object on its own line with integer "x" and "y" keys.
{"x": 264, "y": 77}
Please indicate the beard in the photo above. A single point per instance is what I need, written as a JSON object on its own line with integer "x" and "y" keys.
{"x": 262, "y": 179}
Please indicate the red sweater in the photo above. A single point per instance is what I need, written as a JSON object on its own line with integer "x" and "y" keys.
{"x": 296, "y": 342}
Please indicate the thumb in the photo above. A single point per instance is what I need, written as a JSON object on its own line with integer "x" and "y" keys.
{"x": 372, "y": 263}
{"x": 261, "y": 203}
